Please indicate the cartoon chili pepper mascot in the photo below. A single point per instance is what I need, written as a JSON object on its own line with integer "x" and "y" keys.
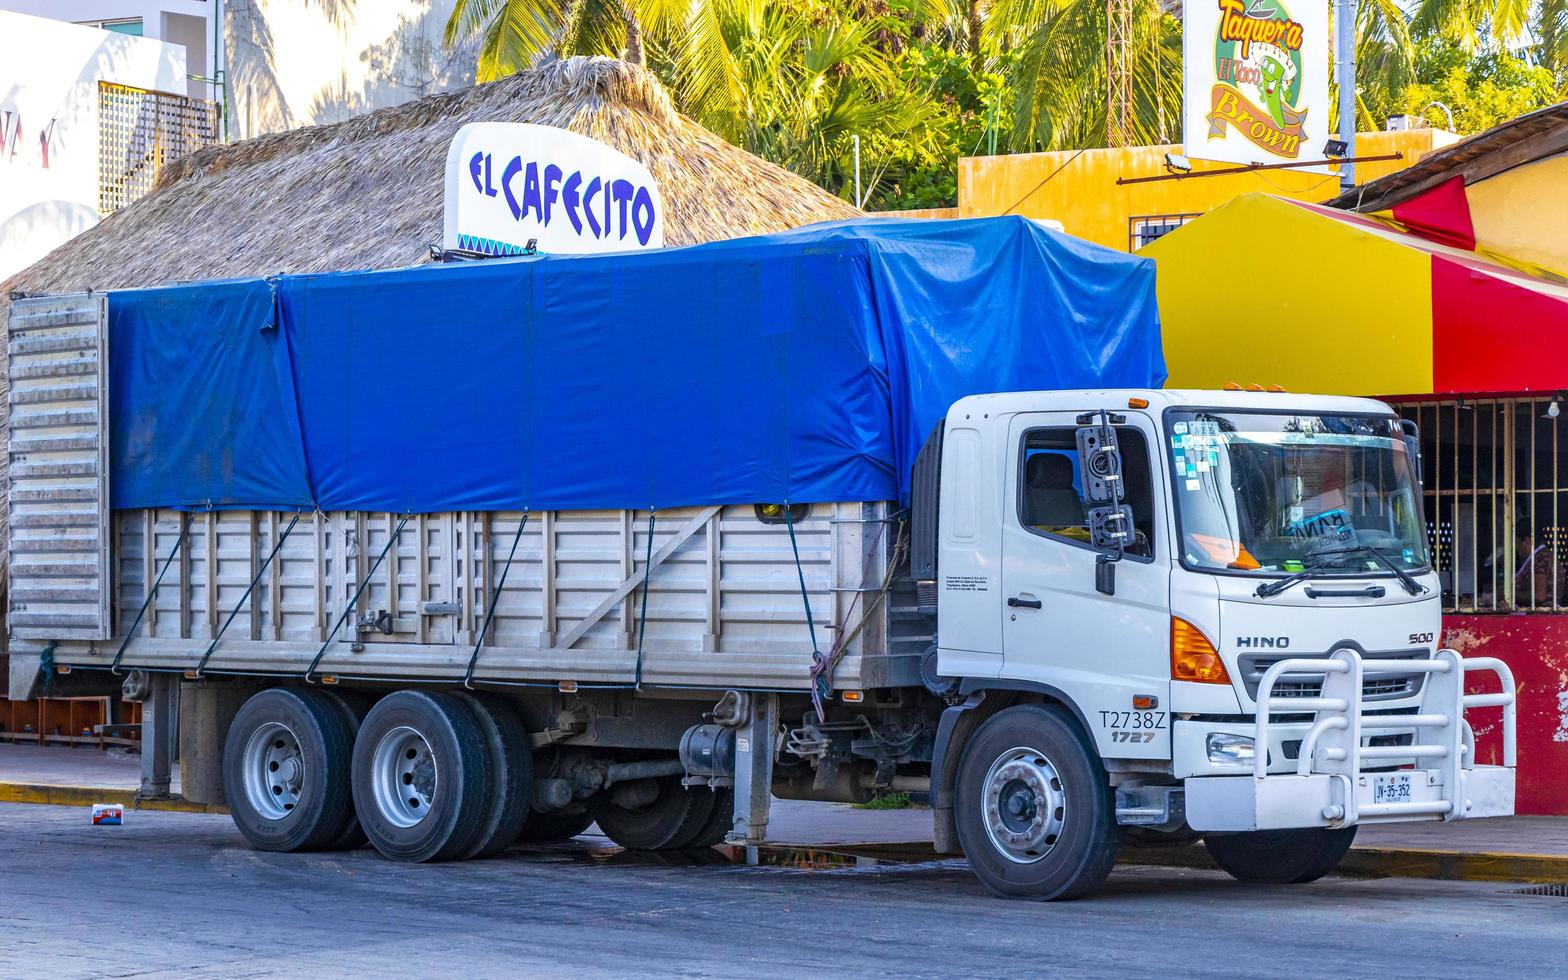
{"x": 1276, "y": 70}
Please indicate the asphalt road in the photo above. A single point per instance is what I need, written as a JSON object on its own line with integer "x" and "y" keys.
{"x": 181, "y": 894}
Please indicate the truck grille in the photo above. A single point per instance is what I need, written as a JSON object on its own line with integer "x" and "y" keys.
{"x": 1372, "y": 689}
{"x": 1379, "y": 686}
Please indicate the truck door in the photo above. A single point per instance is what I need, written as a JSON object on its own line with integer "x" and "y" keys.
{"x": 1100, "y": 651}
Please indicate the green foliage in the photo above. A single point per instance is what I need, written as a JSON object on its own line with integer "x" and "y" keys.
{"x": 1061, "y": 81}
{"x": 796, "y": 82}
{"x": 971, "y": 115}
{"x": 887, "y": 801}
{"x": 925, "y": 82}
{"x": 1481, "y": 90}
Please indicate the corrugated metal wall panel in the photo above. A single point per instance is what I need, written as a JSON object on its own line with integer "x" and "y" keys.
{"x": 59, "y": 493}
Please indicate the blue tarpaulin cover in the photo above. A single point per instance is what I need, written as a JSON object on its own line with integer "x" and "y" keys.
{"x": 804, "y": 366}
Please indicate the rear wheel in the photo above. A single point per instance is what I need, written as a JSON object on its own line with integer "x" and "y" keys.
{"x": 353, "y": 706}
{"x": 422, "y": 777}
{"x": 720, "y": 822}
{"x": 512, "y": 765}
{"x": 654, "y": 814}
{"x": 1034, "y": 808}
{"x": 1280, "y": 857}
{"x": 286, "y": 770}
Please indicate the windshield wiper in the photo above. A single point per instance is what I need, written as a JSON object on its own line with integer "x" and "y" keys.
{"x": 1405, "y": 578}
{"x": 1270, "y": 589}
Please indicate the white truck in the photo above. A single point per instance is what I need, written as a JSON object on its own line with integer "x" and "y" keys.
{"x": 1105, "y": 616}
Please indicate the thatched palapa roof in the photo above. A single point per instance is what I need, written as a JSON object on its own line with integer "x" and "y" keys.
{"x": 367, "y": 193}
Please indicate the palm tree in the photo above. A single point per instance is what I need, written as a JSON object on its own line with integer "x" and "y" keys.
{"x": 517, "y": 33}
{"x": 1476, "y": 24}
{"x": 1060, "y": 80}
{"x": 794, "y": 82}
{"x": 1551, "y": 37}
{"x": 1385, "y": 58}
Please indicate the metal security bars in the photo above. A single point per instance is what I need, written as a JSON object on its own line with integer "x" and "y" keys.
{"x": 1146, "y": 228}
{"x": 139, "y": 132}
{"x": 1496, "y": 493}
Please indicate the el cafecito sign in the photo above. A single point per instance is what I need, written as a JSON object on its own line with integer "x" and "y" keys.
{"x": 509, "y": 183}
{"x": 1256, "y": 80}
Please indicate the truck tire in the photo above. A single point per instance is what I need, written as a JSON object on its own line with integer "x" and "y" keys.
{"x": 354, "y": 706}
{"x": 1280, "y": 857}
{"x": 550, "y": 826}
{"x": 422, "y": 779}
{"x": 670, "y": 820}
{"x": 512, "y": 765}
{"x": 719, "y": 824}
{"x": 286, "y": 770}
{"x": 1035, "y": 812}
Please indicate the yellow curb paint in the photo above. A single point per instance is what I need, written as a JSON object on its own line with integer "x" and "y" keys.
{"x": 1544, "y": 869}
{"x": 1365, "y": 862}
{"x": 42, "y": 793}
{"x": 1381, "y": 862}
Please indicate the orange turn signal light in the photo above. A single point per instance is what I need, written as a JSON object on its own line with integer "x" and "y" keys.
{"x": 1137, "y": 403}
{"x": 1193, "y": 657}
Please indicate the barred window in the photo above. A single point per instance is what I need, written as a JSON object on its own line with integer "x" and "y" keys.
{"x": 1495, "y": 485}
{"x": 1143, "y": 229}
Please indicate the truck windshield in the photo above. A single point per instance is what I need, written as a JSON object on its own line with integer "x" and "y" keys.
{"x": 1283, "y": 493}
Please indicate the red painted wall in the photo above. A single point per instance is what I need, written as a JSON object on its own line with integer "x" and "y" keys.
{"x": 1535, "y": 647}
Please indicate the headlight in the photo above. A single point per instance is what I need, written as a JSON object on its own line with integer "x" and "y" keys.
{"x": 1231, "y": 750}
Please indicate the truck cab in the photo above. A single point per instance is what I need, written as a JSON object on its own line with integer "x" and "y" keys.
{"x": 1230, "y": 596}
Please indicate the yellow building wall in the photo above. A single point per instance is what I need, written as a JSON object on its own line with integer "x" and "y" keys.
{"x": 1079, "y": 189}
{"x": 1519, "y": 213}
{"x": 1263, "y": 292}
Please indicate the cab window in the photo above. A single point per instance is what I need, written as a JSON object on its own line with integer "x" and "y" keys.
{"x": 1050, "y": 482}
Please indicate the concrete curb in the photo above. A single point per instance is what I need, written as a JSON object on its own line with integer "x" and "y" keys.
{"x": 88, "y": 795}
{"x": 1361, "y": 862}
{"x": 1387, "y": 862}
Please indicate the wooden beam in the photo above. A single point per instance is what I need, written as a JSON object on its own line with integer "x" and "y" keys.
{"x": 636, "y": 578}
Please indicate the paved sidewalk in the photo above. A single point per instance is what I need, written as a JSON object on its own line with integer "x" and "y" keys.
{"x": 85, "y": 765}
{"x": 1493, "y": 849}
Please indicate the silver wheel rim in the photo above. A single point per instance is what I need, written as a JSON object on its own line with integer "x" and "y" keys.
{"x": 1023, "y": 805}
{"x": 403, "y": 775}
{"x": 274, "y": 766}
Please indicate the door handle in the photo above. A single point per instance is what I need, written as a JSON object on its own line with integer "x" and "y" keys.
{"x": 1024, "y": 601}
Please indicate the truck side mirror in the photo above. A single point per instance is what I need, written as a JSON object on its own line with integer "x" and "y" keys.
{"x": 1105, "y": 575}
{"x": 1100, "y": 461}
{"x": 1411, "y": 434}
{"x": 1110, "y": 527}
{"x": 1110, "y": 523}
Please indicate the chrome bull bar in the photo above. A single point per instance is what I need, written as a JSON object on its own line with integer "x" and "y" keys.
{"x": 1443, "y": 747}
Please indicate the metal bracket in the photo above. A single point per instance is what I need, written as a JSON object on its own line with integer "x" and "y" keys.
{"x": 754, "y": 771}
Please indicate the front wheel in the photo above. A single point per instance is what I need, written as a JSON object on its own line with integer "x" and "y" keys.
{"x": 1280, "y": 857}
{"x": 1034, "y": 808}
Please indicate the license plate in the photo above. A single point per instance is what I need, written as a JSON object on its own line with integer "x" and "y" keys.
{"x": 1393, "y": 788}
